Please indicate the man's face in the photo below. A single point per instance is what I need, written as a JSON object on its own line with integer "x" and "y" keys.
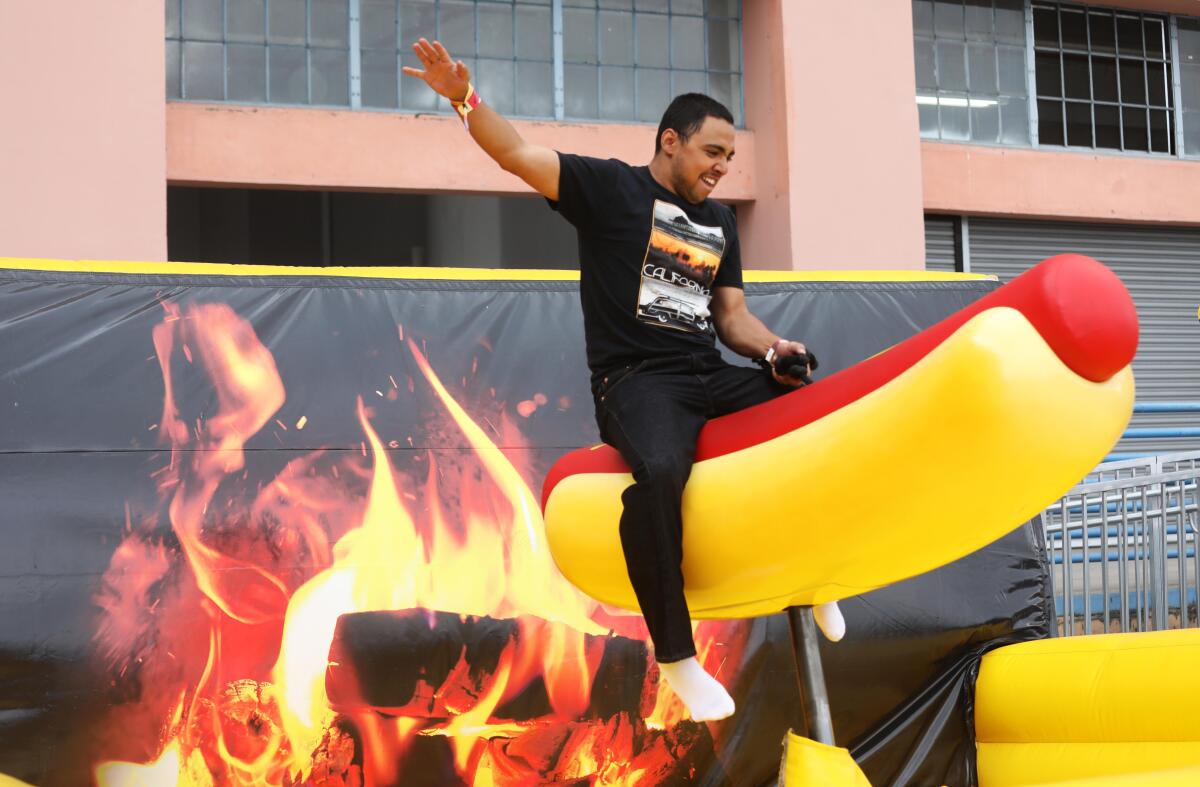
{"x": 698, "y": 164}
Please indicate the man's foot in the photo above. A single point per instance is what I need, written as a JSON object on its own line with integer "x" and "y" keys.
{"x": 830, "y": 620}
{"x": 705, "y": 698}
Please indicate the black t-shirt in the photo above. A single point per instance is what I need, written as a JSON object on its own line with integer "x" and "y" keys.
{"x": 648, "y": 261}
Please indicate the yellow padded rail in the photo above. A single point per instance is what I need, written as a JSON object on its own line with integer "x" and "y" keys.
{"x": 465, "y": 274}
{"x": 1091, "y": 706}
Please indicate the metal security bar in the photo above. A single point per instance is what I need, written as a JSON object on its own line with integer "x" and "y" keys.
{"x": 1122, "y": 547}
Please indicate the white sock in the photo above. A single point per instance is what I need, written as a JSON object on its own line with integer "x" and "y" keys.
{"x": 830, "y": 620}
{"x": 705, "y": 698}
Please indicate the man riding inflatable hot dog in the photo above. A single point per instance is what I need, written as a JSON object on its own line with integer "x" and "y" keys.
{"x": 660, "y": 281}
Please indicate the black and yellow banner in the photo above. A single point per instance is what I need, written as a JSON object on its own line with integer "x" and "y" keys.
{"x": 271, "y": 526}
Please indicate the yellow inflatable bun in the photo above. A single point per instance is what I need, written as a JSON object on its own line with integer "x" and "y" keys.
{"x": 908, "y": 461}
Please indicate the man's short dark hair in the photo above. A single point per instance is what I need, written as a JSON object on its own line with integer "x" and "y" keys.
{"x": 686, "y": 115}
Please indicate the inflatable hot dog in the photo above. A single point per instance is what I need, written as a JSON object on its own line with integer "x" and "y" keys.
{"x": 907, "y": 461}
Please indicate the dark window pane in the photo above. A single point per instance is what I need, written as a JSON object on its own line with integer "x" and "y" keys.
{"x": 923, "y": 57}
{"x": 1014, "y": 121}
{"x": 724, "y": 46}
{"x": 616, "y": 40}
{"x": 981, "y": 61}
{"x": 1076, "y": 79}
{"x": 1011, "y": 62}
{"x": 1104, "y": 32}
{"x": 579, "y": 35}
{"x": 693, "y": 7}
{"x": 1104, "y": 78}
{"x": 330, "y": 23}
{"x": 1156, "y": 74}
{"x": 1010, "y": 21}
{"x": 1079, "y": 124}
{"x": 1049, "y": 79}
{"x": 534, "y": 41}
{"x": 948, "y": 19}
{"x": 1160, "y": 131}
{"x": 247, "y": 72}
{"x": 951, "y": 64}
{"x": 245, "y": 21}
{"x": 955, "y": 118}
{"x": 661, "y": 6}
{"x": 687, "y": 42}
{"x": 653, "y": 93}
{"x": 417, "y": 20}
{"x": 580, "y": 86}
{"x": 652, "y": 47}
{"x": 1129, "y": 35}
{"x": 287, "y": 25}
{"x": 1134, "y": 125}
{"x": 456, "y": 27}
{"x": 289, "y": 74}
{"x": 985, "y": 121}
{"x": 1074, "y": 28}
{"x": 1045, "y": 27}
{"x": 495, "y": 80}
{"x": 495, "y": 30}
{"x": 535, "y": 89}
{"x": 1108, "y": 127}
{"x": 1133, "y": 81}
{"x": 922, "y": 11}
{"x": 1050, "y": 122}
{"x": 1156, "y": 38}
{"x": 728, "y": 8}
{"x": 979, "y": 20}
{"x": 203, "y": 70}
{"x": 379, "y": 75}
{"x": 616, "y": 93}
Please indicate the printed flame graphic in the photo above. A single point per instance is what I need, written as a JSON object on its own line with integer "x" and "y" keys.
{"x": 228, "y": 625}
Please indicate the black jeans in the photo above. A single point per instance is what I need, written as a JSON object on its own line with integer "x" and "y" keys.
{"x": 652, "y": 413}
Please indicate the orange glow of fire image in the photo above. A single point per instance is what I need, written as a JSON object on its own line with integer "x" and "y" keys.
{"x": 700, "y": 261}
{"x": 345, "y": 622}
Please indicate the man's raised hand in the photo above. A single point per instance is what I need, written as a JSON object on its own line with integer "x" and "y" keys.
{"x": 447, "y": 77}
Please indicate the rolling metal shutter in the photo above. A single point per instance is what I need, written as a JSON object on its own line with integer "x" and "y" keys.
{"x": 939, "y": 243}
{"x": 1161, "y": 268}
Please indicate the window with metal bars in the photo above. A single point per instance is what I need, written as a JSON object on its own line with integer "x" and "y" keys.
{"x": 970, "y": 70}
{"x": 1104, "y": 78}
{"x": 586, "y": 59}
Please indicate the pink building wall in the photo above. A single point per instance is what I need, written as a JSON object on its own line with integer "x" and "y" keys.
{"x": 830, "y": 95}
{"x": 82, "y": 159}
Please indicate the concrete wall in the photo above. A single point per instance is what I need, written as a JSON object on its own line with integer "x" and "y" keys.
{"x": 82, "y": 145}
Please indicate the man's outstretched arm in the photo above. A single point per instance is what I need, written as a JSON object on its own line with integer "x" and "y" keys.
{"x": 534, "y": 164}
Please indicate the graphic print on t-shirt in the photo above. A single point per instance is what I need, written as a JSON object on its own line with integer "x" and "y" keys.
{"x": 680, "y": 266}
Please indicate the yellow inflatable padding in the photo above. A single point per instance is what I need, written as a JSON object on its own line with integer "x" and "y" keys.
{"x": 807, "y": 763}
{"x": 968, "y": 443}
{"x": 9, "y": 781}
{"x": 1081, "y": 707}
{"x": 1175, "y": 777}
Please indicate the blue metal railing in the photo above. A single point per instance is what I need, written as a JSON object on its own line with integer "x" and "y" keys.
{"x": 1147, "y": 433}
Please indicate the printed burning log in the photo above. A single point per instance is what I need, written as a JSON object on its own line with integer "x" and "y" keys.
{"x": 438, "y": 665}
